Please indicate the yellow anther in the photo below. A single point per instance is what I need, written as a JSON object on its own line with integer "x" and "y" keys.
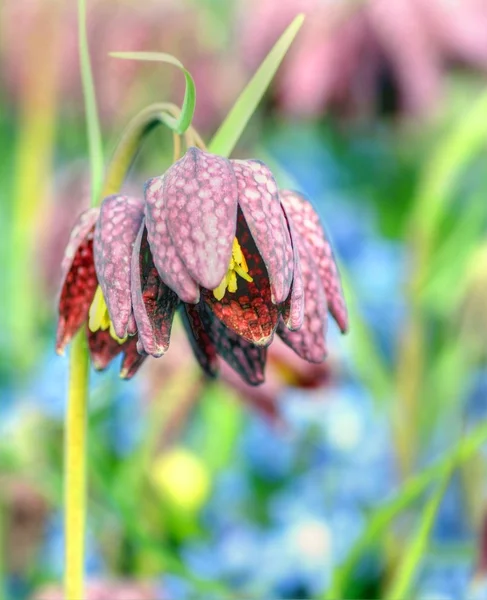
{"x": 99, "y": 317}
{"x": 219, "y": 291}
{"x": 237, "y": 266}
{"x": 232, "y": 281}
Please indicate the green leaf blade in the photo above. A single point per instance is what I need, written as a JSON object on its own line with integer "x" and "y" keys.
{"x": 229, "y": 132}
{"x": 189, "y": 101}
{"x": 410, "y": 492}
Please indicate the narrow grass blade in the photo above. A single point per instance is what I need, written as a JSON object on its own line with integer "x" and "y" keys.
{"x": 406, "y": 575}
{"x": 409, "y": 493}
{"x": 92, "y": 122}
{"x": 227, "y": 136}
{"x": 181, "y": 124}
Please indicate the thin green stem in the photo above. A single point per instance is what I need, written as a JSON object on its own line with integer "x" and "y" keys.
{"x": 75, "y": 444}
{"x": 75, "y": 467}
{"x": 92, "y": 122}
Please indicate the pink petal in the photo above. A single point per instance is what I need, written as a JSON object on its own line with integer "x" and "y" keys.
{"x": 249, "y": 311}
{"x": 306, "y": 222}
{"x": 258, "y": 198}
{"x": 153, "y": 302}
{"x": 200, "y": 194}
{"x": 78, "y": 278}
{"x": 200, "y": 340}
{"x": 309, "y": 341}
{"x": 115, "y": 233}
{"x": 166, "y": 259}
{"x": 247, "y": 359}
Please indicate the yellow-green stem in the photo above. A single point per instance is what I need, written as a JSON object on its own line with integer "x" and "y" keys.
{"x": 75, "y": 468}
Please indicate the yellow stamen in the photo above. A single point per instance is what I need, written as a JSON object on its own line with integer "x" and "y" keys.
{"x": 99, "y": 317}
{"x": 237, "y": 266}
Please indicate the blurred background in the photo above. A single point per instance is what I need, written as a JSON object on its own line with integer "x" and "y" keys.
{"x": 328, "y": 481}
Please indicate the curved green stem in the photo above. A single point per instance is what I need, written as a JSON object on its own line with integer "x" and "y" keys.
{"x": 131, "y": 141}
{"x": 75, "y": 467}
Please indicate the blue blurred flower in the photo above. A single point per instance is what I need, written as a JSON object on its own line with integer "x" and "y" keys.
{"x": 444, "y": 580}
{"x": 269, "y": 453}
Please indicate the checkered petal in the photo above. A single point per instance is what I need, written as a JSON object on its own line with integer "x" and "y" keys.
{"x": 169, "y": 265}
{"x": 249, "y": 311}
{"x": 258, "y": 199}
{"x": 309, "y": 341}
{"x": 248, "y": 360}
{"x": 79, "y": 281}
{"x": 115, "y": 233}
{"x": 153, "y": 302}
{"x": 200, "y": 196}
{"x": 307, "y": 223}
{"x": 200, "y": 340}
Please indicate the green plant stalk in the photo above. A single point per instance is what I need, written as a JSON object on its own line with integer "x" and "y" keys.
{"x": 435, "y": 192}
{"x": 76, "y": 417}
{"x": 95, "y": 145}
{"x": 75, "y": 467}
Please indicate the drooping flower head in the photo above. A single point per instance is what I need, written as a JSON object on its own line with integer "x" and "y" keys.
{"x": 99, "y": 249}
{"x": 216, "y": 240}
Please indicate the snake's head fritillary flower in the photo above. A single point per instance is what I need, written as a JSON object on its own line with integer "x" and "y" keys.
{"x": 96, "y": 283}
{"x": 216, "y": 239}
{"x": 245, "y": 259}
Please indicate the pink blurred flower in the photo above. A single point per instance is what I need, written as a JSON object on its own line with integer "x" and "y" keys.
{"x": 123, "y": 86}
{"x": 347, "y": 52}
{"x": 104, "y": 590}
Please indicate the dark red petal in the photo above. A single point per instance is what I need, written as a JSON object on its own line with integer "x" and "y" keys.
{"x": 103, "y": 349}
{"x": 309, "y": 341}
{"x": 258, "y": 197}
{"x": 200, "y": 195}
{"x": 249, "y": 311}
{"x": 153, "y": 302}
{"x": 248, "y": 360}
{"x": 115, "y": 233}
{"x": 293, "y": 307}
{"x": 166, "y": 259}
{"x": 78, "y": 279}
{"x": 200, "y": 340}
{"x": 132, "y": 359}
{"x": 307, "y": 223}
